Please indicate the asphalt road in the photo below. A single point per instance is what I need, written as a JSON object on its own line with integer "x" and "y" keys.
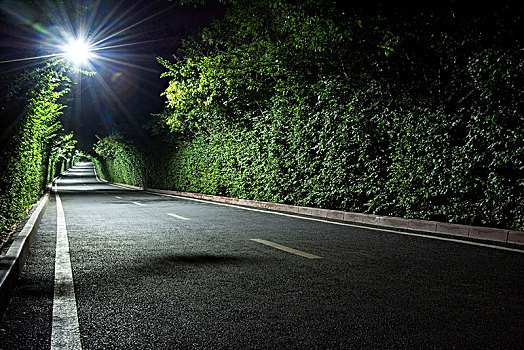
{"x": 196, "y": 279}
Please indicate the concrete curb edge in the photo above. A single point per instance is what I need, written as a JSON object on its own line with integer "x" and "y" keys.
{"x": 13, "y": 262}
{"x": 427, "y": 226}
{"x": 434, "y": 227}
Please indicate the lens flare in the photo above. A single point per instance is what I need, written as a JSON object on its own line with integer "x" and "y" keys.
{"x": 115, "y": 76}
{"x": 89, "y": 36}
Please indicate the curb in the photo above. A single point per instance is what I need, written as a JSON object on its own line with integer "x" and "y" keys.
{"x": 12, "y": 263}
{"x": 119, "y": 184}
{"x": 433, "y": 227}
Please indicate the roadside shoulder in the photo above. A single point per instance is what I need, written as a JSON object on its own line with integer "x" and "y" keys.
{"x": 12, "y": 263}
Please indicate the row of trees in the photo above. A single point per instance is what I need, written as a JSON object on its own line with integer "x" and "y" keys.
{"x": 34, "y": 148}
{"x": 409, "y": 112}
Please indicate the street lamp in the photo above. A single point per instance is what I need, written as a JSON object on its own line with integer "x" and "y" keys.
{"x": 77, "y": 51}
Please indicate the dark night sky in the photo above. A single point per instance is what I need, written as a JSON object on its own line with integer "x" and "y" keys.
{"x": 127, "y": 87}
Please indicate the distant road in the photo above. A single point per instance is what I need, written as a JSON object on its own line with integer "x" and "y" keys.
{"x": 135, "y": 270}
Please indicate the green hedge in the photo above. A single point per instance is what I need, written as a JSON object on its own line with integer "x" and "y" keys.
{"x": 120, "y": 160}
{"x": 33, "y": 148}
{"x": 413, "y": 176}
{"x": 414, "y": 114}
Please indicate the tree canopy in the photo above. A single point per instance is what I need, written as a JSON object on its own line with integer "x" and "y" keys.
{"x": 413, "y": 112}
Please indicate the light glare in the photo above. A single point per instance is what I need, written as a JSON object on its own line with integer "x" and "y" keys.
{"x": 78, "y": 52}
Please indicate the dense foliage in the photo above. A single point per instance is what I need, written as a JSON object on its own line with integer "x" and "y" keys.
{"x": 34, "y": 147}
{"x": 120, "y": 160}
{"x": 414, "y": 113}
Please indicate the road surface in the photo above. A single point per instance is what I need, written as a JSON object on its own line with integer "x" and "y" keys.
{"x": 148, "y": 271}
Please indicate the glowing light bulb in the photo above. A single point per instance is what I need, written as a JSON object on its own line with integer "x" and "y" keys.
{"x": 78, "y": 52}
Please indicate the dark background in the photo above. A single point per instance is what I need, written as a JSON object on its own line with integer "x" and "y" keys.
{"x": 127, "y": 87}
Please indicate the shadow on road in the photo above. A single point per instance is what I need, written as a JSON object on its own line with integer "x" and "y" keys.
{"x": 169, "y": 264}
{"x": 197, "y": 259}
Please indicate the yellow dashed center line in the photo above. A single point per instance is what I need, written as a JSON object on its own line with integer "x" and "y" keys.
{"x": 177, "y": 216}
{"x": 118, "y": 197}
{"x": 286, "y": 249}
{"x": 143, "y": 205}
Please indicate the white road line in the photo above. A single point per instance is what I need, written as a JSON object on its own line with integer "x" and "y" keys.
{"x": 140, "y": 204}
{"x": 485, "y": 245}
{"x": 65, "y": 332}
{"x": 346, "y": 224}
{"x": 286, "y": 249}
{"x": 177, "y": 216}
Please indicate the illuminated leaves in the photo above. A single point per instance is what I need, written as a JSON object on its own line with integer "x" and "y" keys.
{"x": 123, "y": 161}
{"x": 33, "y": 143}
{"x": 414, "y": 114}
